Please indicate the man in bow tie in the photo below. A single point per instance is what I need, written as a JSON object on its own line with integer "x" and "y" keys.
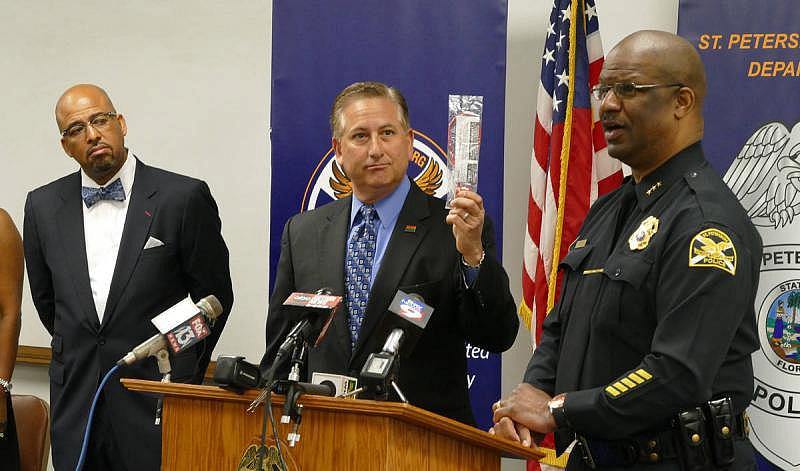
{"x": 108, "y": 248}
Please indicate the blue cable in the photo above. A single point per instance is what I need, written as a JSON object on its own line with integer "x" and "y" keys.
{"x": 85, "y": 445}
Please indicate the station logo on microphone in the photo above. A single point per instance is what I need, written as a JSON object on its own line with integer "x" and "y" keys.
{"x": 411, "y": 309}
{"x": 767, "y": 172}
{"x": 428, "y": 169}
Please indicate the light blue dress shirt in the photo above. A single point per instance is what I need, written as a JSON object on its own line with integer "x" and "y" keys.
{"x": 388, "y": 211}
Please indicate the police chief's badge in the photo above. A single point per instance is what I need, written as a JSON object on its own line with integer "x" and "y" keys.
{"x": 641, "y": 236}
{"x": 713, "y": 248}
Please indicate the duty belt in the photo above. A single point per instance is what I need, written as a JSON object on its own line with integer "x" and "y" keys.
{"x": 699, "y": 438}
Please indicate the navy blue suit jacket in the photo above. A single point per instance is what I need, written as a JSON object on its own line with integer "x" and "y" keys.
{"x": 175, "y": 209}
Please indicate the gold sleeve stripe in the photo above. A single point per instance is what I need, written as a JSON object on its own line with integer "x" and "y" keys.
{"x": 628, "y": 383}
{"x": 620, "y": 386}
{"x": 636, "y": 378}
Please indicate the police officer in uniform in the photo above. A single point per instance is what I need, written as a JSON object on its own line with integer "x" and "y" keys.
{"x": 645, "y": 362}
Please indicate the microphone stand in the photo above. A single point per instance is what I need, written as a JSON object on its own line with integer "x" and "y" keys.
{"x": 291, "y": 411}
{"x": 380, "y": 369}
{"x": 164, "y": 367}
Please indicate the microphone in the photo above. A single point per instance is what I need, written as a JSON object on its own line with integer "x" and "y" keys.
{"x": 178, "y": 330}
{"x": 236, "y": 374}
{"x": 411, "y": 316}
{"x": 312, "y": 314}
{"x": 405, "y": 327}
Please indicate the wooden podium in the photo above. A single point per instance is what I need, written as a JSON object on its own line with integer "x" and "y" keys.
{"x": 208, "y": 428}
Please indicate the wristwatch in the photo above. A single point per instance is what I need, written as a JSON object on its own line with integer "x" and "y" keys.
{"x": 5, "y": 384}
{"x": 556, "y": 406}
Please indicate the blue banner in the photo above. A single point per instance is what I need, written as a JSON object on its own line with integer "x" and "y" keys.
{"x": 752, "y": 136}
{"x": 428, "y": 50}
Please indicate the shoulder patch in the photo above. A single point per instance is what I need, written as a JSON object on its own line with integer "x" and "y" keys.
{"x": 628, "y": 383}
{"x": 713, "y": 248}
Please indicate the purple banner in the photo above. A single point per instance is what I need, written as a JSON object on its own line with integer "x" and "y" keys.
{"x": 428, "y": 50}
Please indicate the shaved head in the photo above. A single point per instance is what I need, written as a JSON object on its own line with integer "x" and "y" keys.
{"x": 665, "y": 114}
{"x": 74, "y": 96}
{"x": 92, "y": 132}
{"x": 671, "y": 56}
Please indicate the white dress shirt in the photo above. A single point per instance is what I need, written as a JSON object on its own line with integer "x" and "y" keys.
{"x": 102, "y": 226}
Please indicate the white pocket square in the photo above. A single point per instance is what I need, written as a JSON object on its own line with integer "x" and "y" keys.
{"x": 152, "y": 242}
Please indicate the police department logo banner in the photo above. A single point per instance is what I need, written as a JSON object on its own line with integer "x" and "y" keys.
{"x": 752, "y": 137}
{"x": 428, "y": 50}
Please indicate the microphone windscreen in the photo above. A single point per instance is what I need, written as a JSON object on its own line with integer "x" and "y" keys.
{"x": 210, "y": 306}
{"x": 408, "y": 312}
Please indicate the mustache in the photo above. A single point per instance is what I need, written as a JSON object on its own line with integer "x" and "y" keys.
{"x": 610, "y": 119}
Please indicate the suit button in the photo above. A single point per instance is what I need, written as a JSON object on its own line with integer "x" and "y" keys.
{"x": 101, "y": 341}
{"x": 618, "y": 272}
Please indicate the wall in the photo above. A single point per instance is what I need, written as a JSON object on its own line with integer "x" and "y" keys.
{"x": 192, "y": 79}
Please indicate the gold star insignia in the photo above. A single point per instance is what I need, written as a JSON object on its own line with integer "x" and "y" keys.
{"x": 653, "y": 188}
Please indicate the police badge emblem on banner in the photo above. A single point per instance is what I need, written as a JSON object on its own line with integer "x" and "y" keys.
{"x": 762, "y": 176}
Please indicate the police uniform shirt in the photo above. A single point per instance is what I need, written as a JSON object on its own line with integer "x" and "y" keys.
{"x": 660, "y": 319}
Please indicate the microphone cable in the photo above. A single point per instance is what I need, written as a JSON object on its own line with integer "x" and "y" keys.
{"x": 269, "y": 416}
{"x": 85, "y": 445}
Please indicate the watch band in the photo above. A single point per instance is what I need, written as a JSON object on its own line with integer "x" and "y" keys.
{"x": 559, "y": 413}
{"x": 5, "y": 384}
{"x": 480, "y": 262}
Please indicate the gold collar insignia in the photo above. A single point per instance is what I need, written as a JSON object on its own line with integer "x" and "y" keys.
{"x": 653, "y": 188}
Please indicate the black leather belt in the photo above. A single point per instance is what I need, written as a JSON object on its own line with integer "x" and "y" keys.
{"x": 648, "y": 448}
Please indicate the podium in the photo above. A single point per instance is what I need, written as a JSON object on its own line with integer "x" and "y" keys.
{"x": 209, "y": 428}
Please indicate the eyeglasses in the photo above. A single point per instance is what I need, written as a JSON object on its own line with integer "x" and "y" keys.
{"x": 100, "y": 122}
{"x": 627, "y": 89}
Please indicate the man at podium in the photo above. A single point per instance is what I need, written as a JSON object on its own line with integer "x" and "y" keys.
{"x": 390, "y": 235}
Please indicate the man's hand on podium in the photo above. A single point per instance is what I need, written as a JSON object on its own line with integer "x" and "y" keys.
{"x": 523, "y": 416}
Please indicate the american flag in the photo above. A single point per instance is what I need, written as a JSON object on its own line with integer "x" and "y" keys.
{"x": 570, "y": 166}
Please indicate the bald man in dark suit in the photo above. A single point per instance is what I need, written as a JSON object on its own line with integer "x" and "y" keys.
{"x": 108, "y": 248}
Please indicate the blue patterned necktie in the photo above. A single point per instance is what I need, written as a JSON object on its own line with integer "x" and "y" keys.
{"x": 112, "y": 191}
{"x": 358, "y": 269}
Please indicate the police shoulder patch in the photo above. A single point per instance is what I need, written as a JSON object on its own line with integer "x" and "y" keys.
{"x": 713, "y": 248}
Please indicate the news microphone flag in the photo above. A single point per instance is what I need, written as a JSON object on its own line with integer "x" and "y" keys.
{"x": 570, "y": 166}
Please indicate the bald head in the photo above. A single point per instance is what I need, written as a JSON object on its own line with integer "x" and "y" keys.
{"x": 78, "y": 96}
{"x": 663, "y": 114}
{"x": 92, "y": 132}
{"x": 668, "y": 55}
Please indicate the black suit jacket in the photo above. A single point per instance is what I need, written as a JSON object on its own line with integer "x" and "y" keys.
{"x": 175, "y": 209}
{"x": 424, "y": 261}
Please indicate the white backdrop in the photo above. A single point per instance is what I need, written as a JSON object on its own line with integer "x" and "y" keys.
{"x": 193, "y": 79}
